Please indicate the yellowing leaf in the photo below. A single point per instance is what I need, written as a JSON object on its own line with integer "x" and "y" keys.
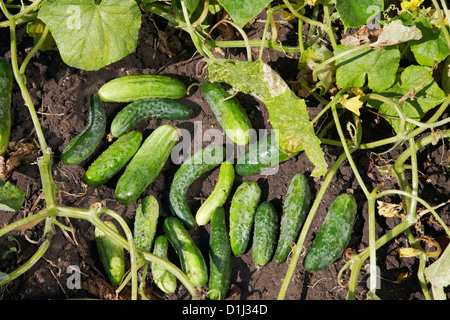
{"x": 352, "y": 104}
{"x": 408, "y": 252}
{"x": 388, "y": 210}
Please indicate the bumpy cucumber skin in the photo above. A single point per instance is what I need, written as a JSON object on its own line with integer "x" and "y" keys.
{"x": 191, "y": 259}
{"x": 295, "y": 209}
{"x": 165, "y": 280}
{"x": 139, "y": 87}
{"x": 229, "y": 113}
{"x": 200, "y": 163}
{"x": 218, "y": 196}
{"x": 146, "y": 164}
{"x": 265, "y": 234}
{"x": 219, "y": 256}
{"x": 111, "y": 255}
{"x": 242, "y": 211}
{"x": 83, "y": 145}
{"x": 145, "y": 223}
{"x": 6, "y": 82}
{"x": 113, "y": 159}
{"x": 146, "y": 109}
{"x": 334, "y": 234}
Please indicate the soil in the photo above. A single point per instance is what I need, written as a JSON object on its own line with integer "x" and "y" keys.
{"x": 61, "y": 95}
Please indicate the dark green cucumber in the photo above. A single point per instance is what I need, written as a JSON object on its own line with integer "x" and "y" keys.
{"x": 334, "y": 234}
{"x": 113, "y": 159}
{"x": 191, "y": 259}
{"x": 146, "y": 164}
{"x": 219, "y": 256}
{"x": 165, "y": 280}
{"x": 111, "y": 255}
{"x": 6, "y": 82}
{"x": 145, "y": 222}
{"x": 296, "y": 205}
{"x": 83, "y": 145}
{"x": 218, "y": 196}
{"x": 146, "y": 109}
{"x": 138, "y": 87}
{"x": 264, "y": 234}
{"x": 229, "y": 113}
{"x": 242, "y": 211}
{"x": 200, "y": 163}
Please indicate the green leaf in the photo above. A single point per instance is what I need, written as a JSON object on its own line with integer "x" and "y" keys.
{"x": 242, "y": 12}
{"x": 11, "y": 198}
{"x": 92, "y": 35}
{"x": 438, "y": 274}
{"x": 35, "y": 29}
{"x": 354, "y": 14}
{"x": 379, "y": 67}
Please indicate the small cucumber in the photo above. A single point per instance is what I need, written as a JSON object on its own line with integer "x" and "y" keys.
{"x": 218, "y": 196}
{"x": 111, "y": 255}
{"x": 146, "y": 109}
{"x": 113, "y": 159}
{"x": 146, "y": 164}
{"x": 191, "y": 259}
{"x": 334, "y": 234}
{"x": 200, "y": 163}
{"x": 139, "y": 87}
{"x": 6, "y": 82}
{"x": 264, "y": 234}
{"x": 219, "y": 256}
{"x": 83, "y": 145}
{"x": 296, "y": 205}
{"x": 242, "y": 211}
{"x": 446, "y": 76}
{"x": 145, "y": 223}
{"x": 229, "y": 112}
{"x": 165, "y": 280}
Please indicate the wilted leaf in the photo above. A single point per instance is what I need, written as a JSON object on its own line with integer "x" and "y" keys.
{"x": 395, "y": 33}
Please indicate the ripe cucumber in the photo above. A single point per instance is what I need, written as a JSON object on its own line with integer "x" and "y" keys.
{"x": 138, "y": 87}
{"x": 200, "y": 163}
{"x": 191, "y": 259}
{"x": 165, "y": 280}
{"x": 145, "y": 223}
{"x": 218, "y": 196}
{"x": 265, "y": 234}
{"x": 83, "y": 145}
{"x": 334, "y": 234}
{"x": 296, "y": 205}
{"x": 146, "y": 164}
{"x": 146, "y": 109}
{"x": 6, "y": 82}
{"x": 242, "y": 211}
{"x": 219, "y": 256}
{"x": 229, "y": 112}
{"x": 113, "y": 159}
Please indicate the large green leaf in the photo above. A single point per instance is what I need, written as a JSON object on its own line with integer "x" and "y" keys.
{"x": 91, "y": 35}
{"x": 354, "y": 14}
{"x": 242, "y": 12}
{"x": 11, "y": 198}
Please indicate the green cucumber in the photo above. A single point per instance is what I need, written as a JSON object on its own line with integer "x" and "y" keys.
{"x": 6, "y": 82}
{"x": 201, "y": 162}
{"x": 218, "y": 196}
{"x": 139, "y": 87}
{"x": 83, "y": 145}
{"x": 242, "y": 211}
{"x": 229, "y": 113}
{"x": 146, "y": 164}
{"x": 446, "y": 76}
{"x": 165, "y": 280}
{"x": 111, "y": 255}
{"x": 295, "y": 209}
{"x": 145, "y": 223}
{"x": 334, "y": 234}
{"x": 264, "y": 234}
{"x": 113, "y": 159}
{"x": 146, "y": 109}
{"x": 191, "y": 259}
{"x": 219, "y": 256}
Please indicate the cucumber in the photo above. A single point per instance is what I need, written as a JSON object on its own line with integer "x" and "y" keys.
{"x": 165, "y": 280}
{"x": 334, "y": 234}
{"x": 146, "y": 164}
{"x": 6, "y": 83}
{"x": 219, "y": 256}
{"x": 218, "y": 196}
{"x": 200, "y": 163}
{"x": 111, "y": 255}
{"x": 113, "y": 159}
{"x": 139, "y": 87}
{"x": 83, "y": 145}
{"x": 242, "y": 211}
{"x": 146, "y": 109}
{"x": 446, "y": 76}
{"x": 296, "y": 205}
{"x": 191, "y": 259}
{"x": 145, "y": 223}
{"x": 229, "y": 113}
{"x": 264, "y": 234}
